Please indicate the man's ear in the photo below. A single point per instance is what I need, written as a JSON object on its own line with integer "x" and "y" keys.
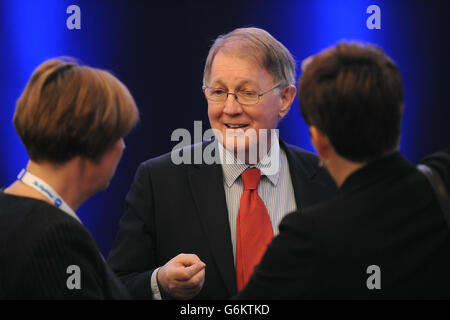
{"x": 321, "y": 142}
{"x": 287, "y": 97}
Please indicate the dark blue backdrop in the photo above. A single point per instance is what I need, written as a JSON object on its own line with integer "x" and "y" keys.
{"x": 158, "y": 50}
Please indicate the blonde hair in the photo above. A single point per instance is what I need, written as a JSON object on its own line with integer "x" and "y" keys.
{"x": 272, "y": 54}
{"x": 68, "y": 110}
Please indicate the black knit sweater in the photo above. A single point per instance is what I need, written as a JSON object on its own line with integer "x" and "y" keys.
{"x": 38, "y": 242}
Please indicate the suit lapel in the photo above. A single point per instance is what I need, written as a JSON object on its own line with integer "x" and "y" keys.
{"x": 206, "y": 182}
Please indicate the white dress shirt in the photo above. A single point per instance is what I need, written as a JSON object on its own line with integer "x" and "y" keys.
{"x": 275, "y": 189}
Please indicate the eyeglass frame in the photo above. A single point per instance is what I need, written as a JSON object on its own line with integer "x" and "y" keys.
{"x": 236, "y": 97}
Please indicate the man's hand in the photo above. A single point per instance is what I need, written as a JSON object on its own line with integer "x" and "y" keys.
{"x": 182, "y": 277}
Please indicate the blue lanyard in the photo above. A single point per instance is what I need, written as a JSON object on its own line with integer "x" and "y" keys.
{"x": 41, "y": 186}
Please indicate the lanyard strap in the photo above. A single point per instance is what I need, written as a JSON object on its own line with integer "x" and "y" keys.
{"x": 41, "y": 186}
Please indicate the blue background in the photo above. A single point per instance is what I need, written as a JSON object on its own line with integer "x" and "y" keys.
{"x": 158, "y": 49}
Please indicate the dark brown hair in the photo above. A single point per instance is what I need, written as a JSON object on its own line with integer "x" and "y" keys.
{"x": 353, "y": 93}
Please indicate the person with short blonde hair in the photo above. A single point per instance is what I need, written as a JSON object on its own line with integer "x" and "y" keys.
{"x": 82, "y": 110}
{"x": 72, "y": 120}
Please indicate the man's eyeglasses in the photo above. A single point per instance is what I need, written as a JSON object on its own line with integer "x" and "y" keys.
{"x": 242, "y": 96}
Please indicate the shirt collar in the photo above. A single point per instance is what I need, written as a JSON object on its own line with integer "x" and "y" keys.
{"x": 233, "y": 170}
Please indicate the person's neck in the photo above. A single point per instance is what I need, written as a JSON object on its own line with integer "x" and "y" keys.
{"x": 65, "y": 179}
{"x": 248, "y": 157}
{"x": 341, "y": 168}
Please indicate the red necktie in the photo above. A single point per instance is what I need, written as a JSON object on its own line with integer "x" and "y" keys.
{"x": 254, "y": 229}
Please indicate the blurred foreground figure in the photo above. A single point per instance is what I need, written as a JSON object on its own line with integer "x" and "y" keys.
{"x": 384, "y": 236}
{"x": 72, "y": 120}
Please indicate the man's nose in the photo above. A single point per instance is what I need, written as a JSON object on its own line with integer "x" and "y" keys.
{"x": 231, "y": 105}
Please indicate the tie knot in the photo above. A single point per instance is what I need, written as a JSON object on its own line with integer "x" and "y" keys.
{"x": 250, "y": 178}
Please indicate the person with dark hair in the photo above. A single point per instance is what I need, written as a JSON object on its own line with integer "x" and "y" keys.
{"x": 72, "y": 120}
{"x": 354, "y": 95}
{"x": 384, "y": 235}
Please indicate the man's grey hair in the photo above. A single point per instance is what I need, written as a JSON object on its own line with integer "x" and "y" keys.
{"x": 271, "y": 53}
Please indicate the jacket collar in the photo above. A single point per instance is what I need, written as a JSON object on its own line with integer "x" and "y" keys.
{"x": 391, "y": 165}
{"x": 207, "y": 187}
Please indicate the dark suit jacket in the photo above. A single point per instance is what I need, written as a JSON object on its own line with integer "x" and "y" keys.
{"x": 385, "y": 214}
{"x": 38, "y": 242}
{"x": 173, "y": 209}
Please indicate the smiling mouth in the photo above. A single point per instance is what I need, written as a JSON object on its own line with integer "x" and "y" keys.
{"x": 236, "y": 126}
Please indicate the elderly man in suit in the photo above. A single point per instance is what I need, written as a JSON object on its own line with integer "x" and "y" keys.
{"x": 198, "y": 230}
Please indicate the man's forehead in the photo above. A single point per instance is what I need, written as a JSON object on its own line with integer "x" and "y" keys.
{"x": 240, "y": 47}
{"x": 240, "y": 50}
{"x": 236, "y": 81}
{"x": 238, "y": 67}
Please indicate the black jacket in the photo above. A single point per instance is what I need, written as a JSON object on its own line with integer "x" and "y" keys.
{"x": 384, "y": 215}
{"x": 173, "y": 209}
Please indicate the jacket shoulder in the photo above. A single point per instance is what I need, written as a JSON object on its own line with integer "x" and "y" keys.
{"x": 440, "y": 161}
